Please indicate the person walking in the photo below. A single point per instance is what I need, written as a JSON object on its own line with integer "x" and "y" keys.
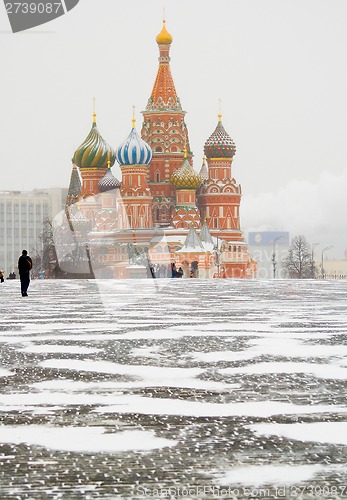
{"x": 25, "y": 265}
{"x": 2, "y": 276}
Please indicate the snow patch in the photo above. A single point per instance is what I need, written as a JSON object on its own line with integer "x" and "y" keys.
{"x": 320, "y": 432}
{"x": 82, "y": 439}
{"x": 50, "y": 348}
{"x": 5, "y": 373}
{"x": 260, "y": 475}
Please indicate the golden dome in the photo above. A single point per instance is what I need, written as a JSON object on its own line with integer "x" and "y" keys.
{"x": 164, "y": 36}
{"x": 185, "y": 177}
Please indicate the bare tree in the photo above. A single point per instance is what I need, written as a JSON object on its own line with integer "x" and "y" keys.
{"x": 298, "y": 263}
{"x": 49, "y": 256}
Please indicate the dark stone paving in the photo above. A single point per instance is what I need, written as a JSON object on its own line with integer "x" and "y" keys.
{"x": 222, "y": 329}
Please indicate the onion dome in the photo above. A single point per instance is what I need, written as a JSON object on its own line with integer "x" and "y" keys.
{"x": 219, "y": 144}
{"x": 134, "y": 150}
{"x": 203, "y": 171}
{"x": 108, "y": 182}
{"x": 164, "y": 37}
{"x": 185, "y": 177}
{"x": 94, "y": 152}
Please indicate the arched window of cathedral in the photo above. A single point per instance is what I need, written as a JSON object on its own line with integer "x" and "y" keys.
{"x": 167, "y": 249}
{"x": 163, "y": 210}
{"x": 157, "y": 177}
{"x": 239, "y": 249}
{"x": 173, "y": 149}
{"x": 159, "y": 249}
{"x": 158, "y": 149}
{"x": 215, "y": 223}
{"x": 234, "y": 248}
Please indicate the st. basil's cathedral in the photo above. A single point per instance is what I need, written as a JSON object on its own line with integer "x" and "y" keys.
{"x": 163, "y": 218}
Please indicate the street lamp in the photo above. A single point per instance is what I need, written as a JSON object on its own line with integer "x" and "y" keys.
{"x": 218, "y": 254}
{"x": 313, "y": 274}
{"x": 274, "y": 264}
{"x": 322, "y": 266}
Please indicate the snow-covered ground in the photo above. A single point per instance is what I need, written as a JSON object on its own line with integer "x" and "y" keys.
{"x": 173, "y": 389}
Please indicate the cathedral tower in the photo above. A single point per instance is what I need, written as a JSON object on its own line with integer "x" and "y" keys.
{"x": 186, "y": 181}
{"x": 165, "y": 131}
{"x": 134, "y": 156}
{"x": 219, "y": 198}
{"x": 92, "y": 158}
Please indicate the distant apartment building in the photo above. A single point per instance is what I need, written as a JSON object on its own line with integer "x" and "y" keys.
{"x": 265, "y": 246}
{"x": 21, "y": 220}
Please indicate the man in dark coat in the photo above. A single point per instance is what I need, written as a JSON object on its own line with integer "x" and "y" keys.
{"x": 24, "y": 267}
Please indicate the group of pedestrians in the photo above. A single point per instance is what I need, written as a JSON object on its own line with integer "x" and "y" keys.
{"x": 11, "y": 276}
{"x": 176, "y": 273}
{"x": 162, "y": 271}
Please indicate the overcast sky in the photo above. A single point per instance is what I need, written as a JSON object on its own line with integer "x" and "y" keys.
{"x": 279, "y": 68}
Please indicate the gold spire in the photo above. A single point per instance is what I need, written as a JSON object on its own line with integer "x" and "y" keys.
{"x": 94, "y": 113}
{"x": 133, "y": 120}
{"x": 164, "y": 37}
{"x": 185, "y": 155}
{"x": 108, "y": 164}
{"x": 219, "y": 110}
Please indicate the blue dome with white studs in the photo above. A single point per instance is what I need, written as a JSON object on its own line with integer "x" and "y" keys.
{"x": 134, "y": 150}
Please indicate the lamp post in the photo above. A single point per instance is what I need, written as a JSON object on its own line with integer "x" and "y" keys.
{"x": 322, "y": 264}
{"x": 218, "y": 254}
{"x": 91, "y": 272}
{"x": 313, "y": 274}
{"x": 274, "y": 264}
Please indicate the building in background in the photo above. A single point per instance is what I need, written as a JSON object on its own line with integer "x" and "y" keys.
{"x": 21, "y": 220}
{"x": 333, "y": 269}
{"x": 162, "y": 211}
{"x": 269, "y": 249}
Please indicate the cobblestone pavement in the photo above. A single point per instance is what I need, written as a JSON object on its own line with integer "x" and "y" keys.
{"x": 173, "y": 389}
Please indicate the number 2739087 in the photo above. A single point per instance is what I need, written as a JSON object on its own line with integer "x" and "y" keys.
{"x": 33, "y": 8}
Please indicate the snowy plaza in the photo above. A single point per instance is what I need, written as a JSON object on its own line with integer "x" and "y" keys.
{"x": 173, "y": 389}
